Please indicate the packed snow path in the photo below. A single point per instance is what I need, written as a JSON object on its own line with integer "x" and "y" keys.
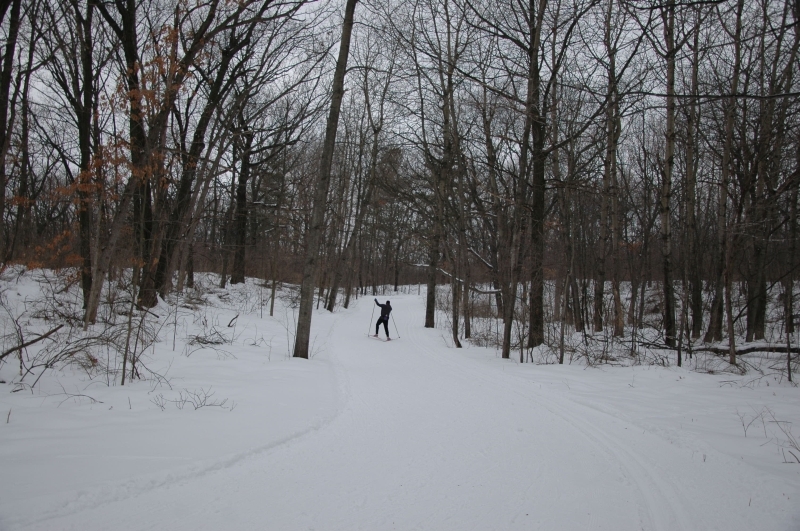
{"x": 418, "y": 436}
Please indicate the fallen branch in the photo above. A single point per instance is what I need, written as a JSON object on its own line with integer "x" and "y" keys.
{"x": 31, "y": 342}
{"x": 723, "y": 350}
{"x": 747, "y": 350}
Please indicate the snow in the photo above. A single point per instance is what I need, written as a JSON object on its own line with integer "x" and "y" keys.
{"x": 408, "y": 434}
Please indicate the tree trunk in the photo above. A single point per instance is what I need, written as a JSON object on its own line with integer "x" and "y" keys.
{"x": 789, "y": 300}
{"x": 106, "y": 253}
{"x": 668, "y": 17}
{"x": 85, "y": 185}
{"x": 535, "y": 121}
{"x": 613, "y": 132}
{"x": 22, "y": 228}
{"x": 314, "y": 236}
{"x": 692, "y": 255}
{"x": 455, "y": 285}
{"x": 536, "y": 324}
{"x": 726, "y": 231}
{"x": 789, "y": 291}
{"x": 240, "y": 217}
{"x": 433, "y": 266}
{"x": 5, "y": 90}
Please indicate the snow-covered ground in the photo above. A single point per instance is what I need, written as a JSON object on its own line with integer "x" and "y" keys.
{"x": 408, "y": 434}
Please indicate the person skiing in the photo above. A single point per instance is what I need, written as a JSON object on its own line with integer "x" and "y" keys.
{"x": 386, "y": 309}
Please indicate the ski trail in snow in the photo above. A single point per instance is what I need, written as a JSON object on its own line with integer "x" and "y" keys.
{"x": 655, "y": 514}
{"x": 656, "y": 508}
{"x": 662, "y": 504}
{"x": 129, "y": 490}
{"x": 422, "y": 437}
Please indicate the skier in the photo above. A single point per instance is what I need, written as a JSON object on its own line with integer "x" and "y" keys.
{"x": 386, "y": 309}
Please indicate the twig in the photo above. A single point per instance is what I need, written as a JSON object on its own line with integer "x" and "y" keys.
{"x": 78, "y": 395}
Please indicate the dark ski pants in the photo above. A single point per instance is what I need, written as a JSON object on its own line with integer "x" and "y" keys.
{"x": 385, "y": 321}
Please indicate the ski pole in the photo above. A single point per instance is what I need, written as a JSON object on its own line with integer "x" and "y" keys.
{"x": 369, "y": 329}
{"x": 395, "y": 327}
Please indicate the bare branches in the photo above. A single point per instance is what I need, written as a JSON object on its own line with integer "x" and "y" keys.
{"x": 195, "y": 398}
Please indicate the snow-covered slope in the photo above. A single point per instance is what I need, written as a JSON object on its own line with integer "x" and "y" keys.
{"x": 407, "y": 434}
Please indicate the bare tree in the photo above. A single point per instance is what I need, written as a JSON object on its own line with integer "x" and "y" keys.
{"x": 314, "y": 236}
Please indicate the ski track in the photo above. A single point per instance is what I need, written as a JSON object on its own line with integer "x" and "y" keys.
{"x": 655, "y": 514}
{"x": 123, "y": 491}
{"x": 118, "y": 492}
{"x": 539, "y": 463}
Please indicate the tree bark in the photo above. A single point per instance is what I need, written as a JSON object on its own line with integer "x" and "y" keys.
{"x": 314, "y": 236}
{"x": 536, "y": 113}
{"x": 85, "y": 115}
{"x": 693, "y": 257}
{"x": 668, "y": 17}
{"x": 5, "y": 91}
{"x": 240, "y": 216}
{"x": 727, "y": 243}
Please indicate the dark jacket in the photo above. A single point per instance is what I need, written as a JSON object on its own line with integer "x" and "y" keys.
{"x": 386, "y": 309}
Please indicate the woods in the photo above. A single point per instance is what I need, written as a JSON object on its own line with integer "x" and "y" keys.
{"x": 615, "y": 170}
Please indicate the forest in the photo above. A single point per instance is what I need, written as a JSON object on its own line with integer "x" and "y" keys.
{"x": 621, "y": 171}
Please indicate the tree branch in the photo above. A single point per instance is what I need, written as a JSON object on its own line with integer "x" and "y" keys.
{"x": 31, "y": 342}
